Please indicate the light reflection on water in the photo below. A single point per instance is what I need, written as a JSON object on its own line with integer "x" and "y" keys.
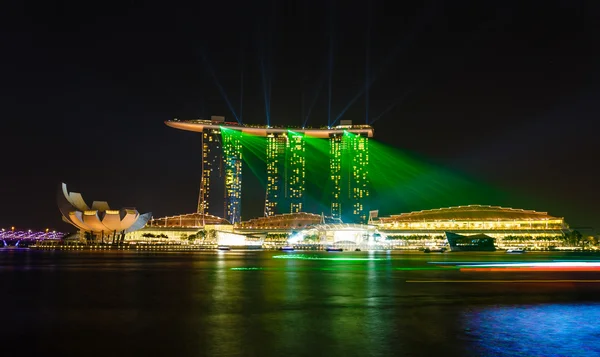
{"x": 535, "y": 330}
{"x": 249, "y": 304}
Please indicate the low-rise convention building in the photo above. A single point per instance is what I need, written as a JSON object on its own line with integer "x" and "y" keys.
{"x": 339, "y": 233}
{"x": 508, "y": 225}
{"x": 286, "y": 221}
{"x": 181, "y": 227}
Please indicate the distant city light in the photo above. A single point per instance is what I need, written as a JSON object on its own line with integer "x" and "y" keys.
{"x": 312, "y": 257}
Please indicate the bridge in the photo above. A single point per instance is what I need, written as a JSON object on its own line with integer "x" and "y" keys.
{"x": 26, "y": 238}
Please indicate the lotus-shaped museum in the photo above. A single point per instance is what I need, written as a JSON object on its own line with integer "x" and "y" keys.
{"x": 100, "y": 218}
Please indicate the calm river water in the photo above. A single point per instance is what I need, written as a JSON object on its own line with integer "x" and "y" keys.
{"x": 266, "y": 303}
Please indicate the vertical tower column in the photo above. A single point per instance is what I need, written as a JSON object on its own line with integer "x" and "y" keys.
{"x": 295, "y": 171}
{"x": 359, "y": 176}
{"x": 202, "y": 192}
{"x": 276, "y": 145}
{"x": 211, "y": 183}
{"x": 336, "y": 145}
{"x": 232, "y": 155}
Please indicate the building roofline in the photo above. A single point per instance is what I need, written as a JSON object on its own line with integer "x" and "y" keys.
{"x": 472, "y": 207}
{"x": 200, "y": 125}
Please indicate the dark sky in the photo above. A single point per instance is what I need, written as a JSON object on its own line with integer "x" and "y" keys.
{"x": 504, "y": 92}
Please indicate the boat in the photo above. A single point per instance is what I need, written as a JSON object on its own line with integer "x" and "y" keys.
{"x": 224, "y": 247}
{"x": 515, "y": 250}
{"x": 434, "y": 250}
{"x": 473, "y": 243}
{"x": 334, "y": 249}
{"x": 287, "y": 248}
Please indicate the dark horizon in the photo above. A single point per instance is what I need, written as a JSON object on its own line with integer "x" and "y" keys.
{"x": 505, "y": 94}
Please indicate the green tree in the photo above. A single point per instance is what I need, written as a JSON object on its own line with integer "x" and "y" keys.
{"x": 89, "y": 237}
{"x": 577, "y": 238}
{"x": 573, "y": 238}
{"x": 210, "y": 234}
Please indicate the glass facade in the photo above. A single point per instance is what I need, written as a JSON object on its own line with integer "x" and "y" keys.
{"x": 194, "y": 220}
{"x": 210, "y": 200}
{"x": 359, "y": 181}
{"x": 494, "y": 221}
{"x": 232, "y": 153}
{"x": 296, "y": 171}
{"x": 336, "y": 145}
{"x": 276, "y": 149}
{"x": 222, "y": 161}
{"x": 349, "y": 175}
{"x": 474, "y": 225}
{"x": 287, "y": 221}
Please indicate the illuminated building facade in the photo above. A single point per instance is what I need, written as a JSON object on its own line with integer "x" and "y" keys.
{"x": 343, "y": 234}
{"x": 212, "y": 184}
{"x": 504, "y": 224}
{"x": 296, "y": 171}
{"x": 358, "y": 176}
{"x": 98, "y": 221}
{"x": 232, "y": 155}
{"x": 349, "y": 174}
{"x": 336, "y": 148}
{"x": 286, "y": 221}
{"x": 190, "y": 220}
{"x": 509, "y": 227}
{"x": 221, "y": 183}
{"x": 286, "y": 167}
{"x": 276, "y": 150}
{"x": 286, "y": 163}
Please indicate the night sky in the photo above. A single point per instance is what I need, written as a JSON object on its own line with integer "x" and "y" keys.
{"x": 503, "y": 92}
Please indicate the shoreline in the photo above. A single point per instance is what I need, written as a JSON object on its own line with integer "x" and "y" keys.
{"x": 214, "y": 247}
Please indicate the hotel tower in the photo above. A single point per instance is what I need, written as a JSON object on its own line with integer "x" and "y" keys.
{"x": 286, "y": 162}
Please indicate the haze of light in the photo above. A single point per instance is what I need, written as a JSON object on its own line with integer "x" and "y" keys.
{"x": 399, "y": 182}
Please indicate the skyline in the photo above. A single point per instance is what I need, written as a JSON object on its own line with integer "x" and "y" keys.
{"x": 343, "y": 186}
{"x": 502, "y": 95}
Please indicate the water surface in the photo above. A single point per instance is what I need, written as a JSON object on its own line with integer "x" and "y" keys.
{"x": 258, "y": 303}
